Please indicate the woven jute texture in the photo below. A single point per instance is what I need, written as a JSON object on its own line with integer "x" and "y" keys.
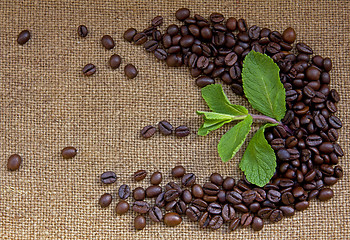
{"x": 46, "y": 104}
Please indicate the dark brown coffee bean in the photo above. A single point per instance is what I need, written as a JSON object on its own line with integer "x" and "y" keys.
{"x": 202, "y": 62}
{"x": 139, "y": 194}
{"x": 276, "y": 215}
{"x": 235, "y": 72}
{"x": 326, "y": 147}
{"x": 287, "y": 198}
{"x": 325, "y": 194}
{"x": 165, "y": 127}
{"x": 200, "y": 204}
{"x": 108, "y": 177}
{"x": 234, "y": 224}
{"x": 122, "y": 207}
{"x": 160, "y": 54}
{"x": 156, "y": 178}
{"x": 334, "y": 95}
{"x": 155, "y": 214}
{"x": 303, "y": 48}
{"x": 214, "y": 208}
{"x": 160, "y": 201}
{"x": 329, "y": 181}
{"x": 178, "y": 171}
{"x": 193, "y": 213}
{"x": 157, "y": 21}
{"x": 216, "y": 18}
{"x": 242, "y": 26}
{"x": 228, "y": 183}
{"x": 140, "y": 207}
{"x": 228, "y": 213}
{"x": 204, "y": 81}
{"x": 172, "y": 185}
{"x": 233, "y": 197}
{"x": 216, "y": 222}
{"x": 327, "y": 64}
{"x": 151, "y": 45}
{"x": 140, "y": 175}
{"x": 182, "y": 131}
{"x": 246, "y": 219}
{"x": 140, "y": 222}
{"x": 257, "y": 224}
{"x": 197, "y": 191}
{"x": 172, "y": 219}
{"x": 108, "y": 42}
{"x": 124, "y": 191}
{"x": 248, "y": 196}
{"x": 82, "y": 31}
{"x": 105, "y": 200}
{"x": 182, "y": 14}
{"x": 210, "y": 198}
{"x": 14, "y": 162}
{"x": 153, "y": 191}
{"x": 338, "y": 150}
{"x": 265, "y": 212}
{"x": 186, "y": 196}
{"x": 289, "y": 35}
{"x": 338, "y": 171}
{"x": 89, "y": 69}
{"x": 114, "y": 61}
{"x": 23, "y": 37}
{"x": 273, "y": 196}
{"x": 139, "y": 38}
{"x": 204, "y": 220}
{"x": 301, "y": 206}
{"x": 130, "y": 71}
{"x": 335, "y": 122}
{"x": 188, "y": 179}
{"x": 148, "y": 131}
{"x": 313, "y": 140}
{"x": 129, "y": 34}
{"x": 231, "y": 59}
{"x": 210, "y": 189}
{"x": 171, "y": 195}
{"x": 231, "y": 24}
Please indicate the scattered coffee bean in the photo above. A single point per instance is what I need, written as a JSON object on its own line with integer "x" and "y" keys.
{"x": 130, "y": 71}
{"x": 172, "y": 219}
{"x": 325, "y": 194}
{"x": 139, "y": 194}
{"x": 188, "y": 179}
{"x": 108, "y": 42}
{"x": 178, "y": 171}
{"x": 153, "y": 191}
{"x": 114, "y": 61}
{"x": 140, "y": 207}
{"x": 23, "y": 37}
{"x": 124, "y": 191}
{"x": 140, "y": 175}
{"x": 165, "y": 127}
{"x": 140, "y": 222}
{"x": 122, "y": 207}
{"x": 82, "y": 31}
{"x": 182, "y": 131}
{"x": 246, "y": 219}
{"x": 129, "y": 34}
{"x": 108, "y": 177}
{"x": 155, "y": 214}
{"x": 105, "y": 200}
{"x": 156, "y": 178}
{"x": 257, "y": 224}
{"x": 148, "y": 131}
{"x": 89, "y": 69}
{"x": 14, "y": 162}
{"x": 69, "y": 152}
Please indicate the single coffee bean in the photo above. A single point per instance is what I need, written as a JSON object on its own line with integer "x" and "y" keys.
{"x": 139, "y": 38}
{"x": 155, "y": 214}
{"x": 249, "y": 196}
{"x": 114, "y": 61}
{"x": 130, "y": 71}
{"x": 193, "y": 213}
{"x": 172, "y": 185}
{"x": 260, "y": 194}
{"x": 139, "y": 194}
{"x": 335, "y": 122}
{"x": 327, "y": 64}
{"x": 122, "y": 207}
{"x": 287, "y": 210}
{"x": 172, "y": 219}
{"x": 283, "y": 154}
{"x": 228, "y": 213}
{"x": 287, "y": 198}
{"x": 153, "y": 191}
{"x": 89, "y": 69}
{"x": 23, "y": 37}
{"x": 313, "y": 140}
{"x": 188, "y": 179}
{"x": 204, "y": 81}
{"x": 204, "y": 220}
{"x": 338, "y": 171}
{"x": 210, "y": 189}
{"x": 246, "y": 219}
{"x": 289, "y": 35}
{"x": 129, "y": 34}
{"x": 221, "y": 196}
{"x": 254, "y": 207}
{"x": 82, "y": 31}
{"x": 303, "y": 48}
{"x": 182, "y": 14}
{"x": 233, "y": 197}
{"x": 301, "y": 206}
{"x": 216, "y": 222}
{"x": 108, "y": 177}
{"x": 171, "y": 195}
{"x": 140, "y": 175}
{"x": 14, "y": 162}
{"x": 160, "y": 201}
{"x": 151, "y": 45}
{"x": 257, "y": 224}
{"x": 312, "y": 195}
{"x": 334, "y": 95}
{"x": 265, "y": 212}
{"x": 182, "y": 131}
{"x": 108, "y": 42}
{"x": 326, "y": 147}
{"x": 242, "y": 26}
{"x": 165, "y": 127}
{"x": 157, "y": 21}
{"x": 170, "y": 205}
{"x": 124, "y": 191}
{"x": 216, "y": 179}
{"x": 325, "y": 194}
{"x": 156, "y": 178}
{"x": 140, "y": 207}
{"x": 197, "y": 191}
{"x": 140, "y": 222}
{"x": 148, "y": 131}
{"x": 200, "y": 204}
{"x": 234, "y": 224}
{"x": 330, "y": 180}
{"x": 186, "y": 196}
{"x": 214, "y": 208}
{"x": 276, "y": 215}
{"x": 160, "y": 54}
{"x": 210, "y": 198}
{"x": 231, "y": 24}
{"x": 105, "y": 200}
{"x": 228, "y": 183}
{"x": 178, "y": 171}
{"x": 180, "y": 207}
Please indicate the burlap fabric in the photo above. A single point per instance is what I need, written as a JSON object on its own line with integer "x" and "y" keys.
{"x": 46, "y": 104}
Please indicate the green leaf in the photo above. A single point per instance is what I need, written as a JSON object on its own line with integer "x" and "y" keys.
{"x": 262, "y": 85}
{"x": 218, "y": 101}
{"x": 232, "y": 140}
{"x": 211, "y": 125}
{"x": 259, "y": 160}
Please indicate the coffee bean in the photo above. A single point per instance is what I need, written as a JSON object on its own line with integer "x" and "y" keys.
{"x": 108, "y": 177}
{"x": 338, "y": 150}
{"x": 172, "y": 185}
{"x": 182, "y": 131}
{"x": 257, "y": 224}
{"x": 228, "y": 183}
{"x": 204, "y": 220}
{"x": 233, "y": 197}
{"x": 325, "y": 194}
{"x": 153, "y": 191}
{"x": 182, "y": 14}
{"x": 186, "y": 196}
{"x": 114, "y": 61}
{"x": 129, "y": 34}
{"x": 335, "y": 122}
{"x": 155, "y": 214}
{"x": 228, "y": 213}
{"x": 140, "y": 207}
{"x": 338, "y": 171}
{"x": 160, "y": 54}
{"x": 231, "y": 24}
{"x": 265, "y": 212}
{"x": 231, "y": 59}
{"x": 180, "y": 207}
{"x": 14, "y": 162}
{"x": 124, "y": 191}
{"x": 193, "y": 213}
{"x": 178, "y": 171}
{"x": 301, "y": 206}
{"x": 108, "y": 42}
{"x": 23, "y": 37}
{"x": 242, "y": 26}
{"x": 289, "y": 35}
{"x": 139, "y": 194}
{"x": 160, "y": 201}
{"x": 273, "y": 196}
{"x": 130, "y": 71}
{"x": 214, "y": 208}
{"x": 89, "y": 69}
{"x": 248, "y": 196}
{"x": 210, "y": 189}
{"x": 204, "y": 81}
{"x": 303, "y": 48}
{"x": 172, "y": 219}
{"x": 105, "y": 200}
{"x": 171, "y": 195}
{"x": 148, "y": 131}
{"x": 139, "y": 38}
{"x": 200, "y": 204}
{"x": 197, "y": 191}
{"x": 82, "y": 31}
{"x": 122, "y": 207}
{"x": 216, "y": 17}
{"x": 330, "y": 180}
{"x": 234, "y": 224}
{"x": 326, "y": 147}
{"x": 313, "y": 140}
{"x": 216, "y": 222}
{"x": 157, "y": 21}
{"x": 187, "y": 41}
{"x": 210, "y": 198}
{"x": 334, "y": 95}
{"x": 287, "y": 198}
{"x": 327, "y": 64}
{"x": 140, "y": 222}
{"x": 156, "y": 178}
{"x": 276, "y": 215}
{"x": 140, "y": 175}
{"x": 151, "y": 45}
{"x": 246, "y": 219}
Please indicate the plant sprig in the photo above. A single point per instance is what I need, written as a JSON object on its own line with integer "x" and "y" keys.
{"x": 265, "y": 93}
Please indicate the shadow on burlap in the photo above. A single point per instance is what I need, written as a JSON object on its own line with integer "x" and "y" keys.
{"x": 46, "y": 104}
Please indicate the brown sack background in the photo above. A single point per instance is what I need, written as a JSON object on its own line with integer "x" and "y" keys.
{"x": 46, "y": 104}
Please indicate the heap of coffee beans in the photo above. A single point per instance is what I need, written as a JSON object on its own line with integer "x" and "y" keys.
{"x": 307, "y": 153}
{"x": 166, "y": 129}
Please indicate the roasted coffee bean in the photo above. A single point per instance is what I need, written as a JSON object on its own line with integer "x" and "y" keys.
{"x": 334, "y": 95}
{"x": 235, "y": 72}
{"x": 200, "y": 204}
{"x": 228, "y": 213}
{"x": 188, "y": 179}
{"x": 172, "y": 185}
{"x": 260, "y": 194}
{"x": 157, "y": 21}
{"x": 124, "y": 191}
{"x": 237, "y": 89}
{"x": 338, "y": 171}
{"x": 182, "y": 14}
{"x": 273, "y": 196}
{"x": 254, "y": 32}
{"x": 326, "y": 147}
{"x": 186, "y": 196}
{"x": 178, "y": 171}
{"x": 257, "y": 224}
{"x": 156, "y": 178}
{"x": 327, "y": 64}
{"x": 193, "y": 213}
{"x": 202, "y": 62}
{"x": 216, "y": 17}
{"x": 279, "y": 144}
{"x": 210, "y": 189}
{"x": 231, "y": 59}
{"x": 313, "y": 140}
{"x": 140, "y": 222}
{"x": 14, "y": 162}
{"x": 180, "y": 207}
{"x": 182, "y": 131}
{"x": 275, "y": 37}
{"x": 151, "y": 45}
{"x": 301, "y": 206}
{"x": 330, "y": 180}
{"x": 289, "y": 35}
{"x": 165, "y": 127}
{"x": 276, "y": 215}
{"x": 157, "y": 36}
{"x": 335, "y": 122}
{"x": 23, "y": 37}
{"x": 221, "y": 196}
{"x": 233, "y": 197}
{"x": 287, "y": 210}
{"x": 242, "y": 26}
{"x": 140, "y": 207}
{"x": 160, "y": 201}
{"x": 139, "y": 38}
{"x": 287, "y": 198}
{"x": 148, "y": 131}
{"x": 108, "y": 42}
{"x": 140, "y": 175}
{"x": 153, "y": 191}
{"x": 246, "y": 219}
{"x": 248, "y": 196}
{"x": 325, "y": 194}
{"x": 214, "y": 208}
{"x": 228, "y": 183}
{"x": 172, "y": 219}
{"x": 105, "y": 200}
{"x": 130, "y": 71}
{"x": 89, "y": 69}
{"x": 129, "y": 34}
{"x": 82, "y": 31}
{"x": 216, "y": 222}
{"x": 122, "y": 207}
{"x": 231, "y": 24}
{"x": 114, "y": 61}
{"x": 254, "y": 207}
{"x": 171, "y": 195}
{"x": 197, "y": 191}
{"x": 108, "y": 177}
{"x": 139, "y": 194}
{"x": 338, "y": 150}
{"x": 234, "y": 224}
{"x": 283, "y": 154}
{"x": 160, "y": 54}
{"x": 155, "y": 214}
{"x": 204, "y": 81}
{"x": 265, "y": 212}
{"x": 210, "y": 198}
{"x": 204, "y": 220}
{"x": 303, "y": 48}
{"x": 312, "y": 194}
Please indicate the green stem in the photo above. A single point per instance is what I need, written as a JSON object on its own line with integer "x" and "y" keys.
{"x": 265, "y": 118}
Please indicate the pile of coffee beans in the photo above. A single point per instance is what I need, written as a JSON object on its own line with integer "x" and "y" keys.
{"x": 166, "y": 129}
{"x": 305, "y": 143}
